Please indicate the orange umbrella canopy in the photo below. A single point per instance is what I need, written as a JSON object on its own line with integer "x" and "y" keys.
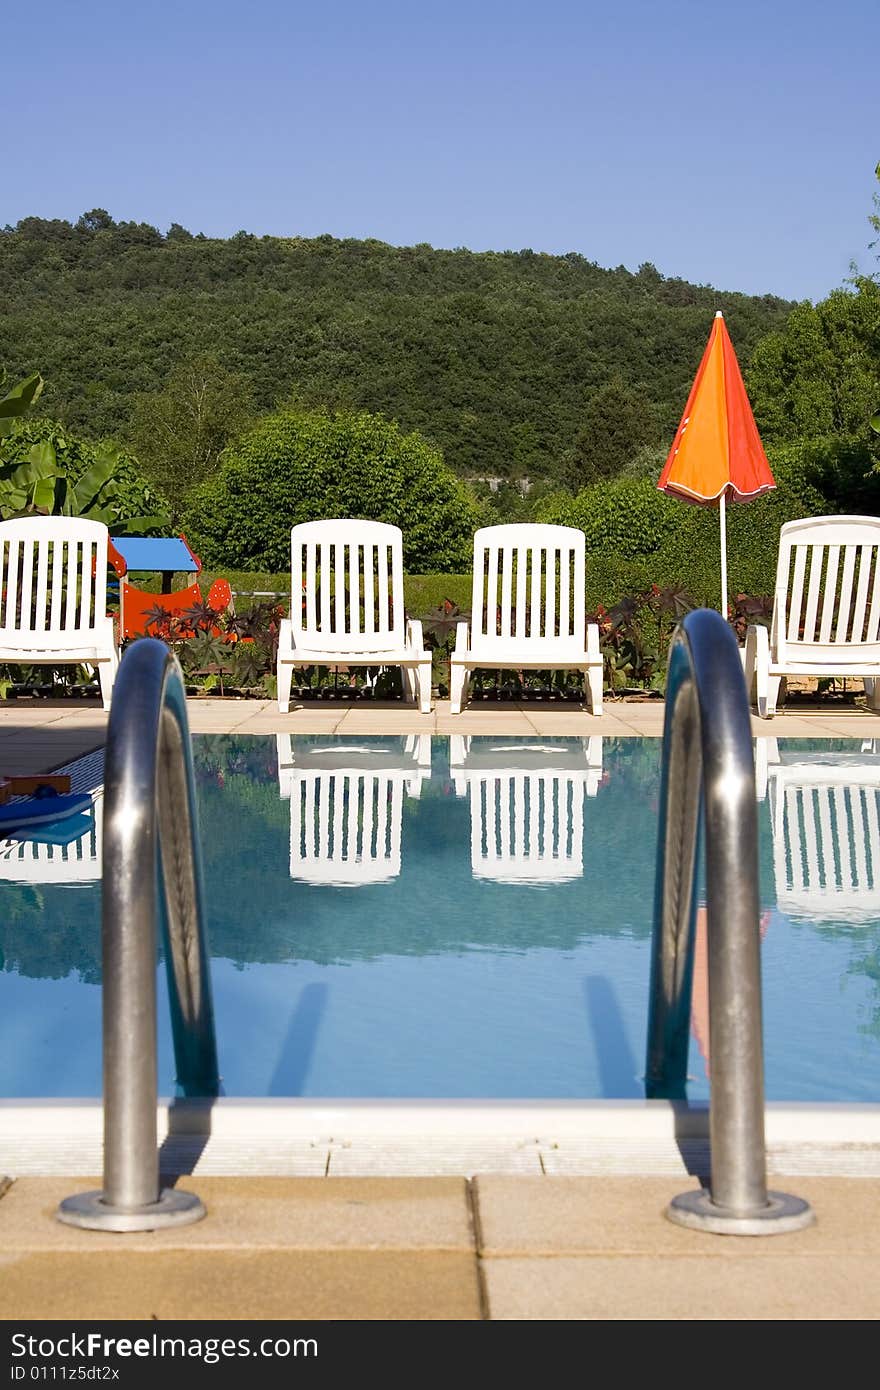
{"x": 717, "y": 451}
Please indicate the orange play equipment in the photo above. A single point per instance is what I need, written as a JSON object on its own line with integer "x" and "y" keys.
{"x": 165, "y": 555}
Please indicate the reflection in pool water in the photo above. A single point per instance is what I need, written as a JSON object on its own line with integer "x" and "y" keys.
{"x": 346, "y": 806}
{"x": 826, "y": 831}
{"x": 527, "y": 805}
{"x": 464, "y": 918}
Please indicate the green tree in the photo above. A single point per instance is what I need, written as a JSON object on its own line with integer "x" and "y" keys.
{"x": 299, "y": 465}
{"x": 179, "y": 433}
{"x": 818, "y": 375}
{"x": 646, "y": 462}
{"x": 635, "y": 533}
{"x": 874, "y": 220}
{"x": 492, "y": 356}
{"x": 98, "y": 220}
{"x": 874, "y": 217}
{"x": 616, "y": 421}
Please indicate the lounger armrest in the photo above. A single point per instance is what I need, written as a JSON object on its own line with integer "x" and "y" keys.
{"x": 757, "y": 641}
{"x": 462, "y": 638}
{"x": 285, "y": 635}
{"x": 414, "y": 637}
{"x": 593, "y": 649}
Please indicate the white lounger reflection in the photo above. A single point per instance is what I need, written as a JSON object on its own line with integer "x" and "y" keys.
{"x": 825, "y": 816}
{"x": 80, "y": 861}
{"x": 527, "y": 805}
{"x": 346, "y": 806}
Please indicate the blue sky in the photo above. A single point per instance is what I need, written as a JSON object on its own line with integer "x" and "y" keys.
{"x": 732, "y": 146}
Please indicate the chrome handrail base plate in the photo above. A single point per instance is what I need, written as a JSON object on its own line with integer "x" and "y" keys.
{"x": 783, "y": 1213}
{"x": 90, "y": 1212}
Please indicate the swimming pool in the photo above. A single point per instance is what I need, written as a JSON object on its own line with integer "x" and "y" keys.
{"x": 462, "y": 918}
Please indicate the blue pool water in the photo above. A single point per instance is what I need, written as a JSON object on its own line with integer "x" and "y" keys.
{"x": 461, "y": 918}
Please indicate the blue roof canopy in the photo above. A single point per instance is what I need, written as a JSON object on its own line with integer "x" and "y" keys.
{"x": 166, "y": 553}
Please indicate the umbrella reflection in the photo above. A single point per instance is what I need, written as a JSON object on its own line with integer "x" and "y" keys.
{"x": 700, "y": 987}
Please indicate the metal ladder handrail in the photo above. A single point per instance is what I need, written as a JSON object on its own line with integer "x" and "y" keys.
{"x": 708, "y": 775}
{"x": 150, "y": 831}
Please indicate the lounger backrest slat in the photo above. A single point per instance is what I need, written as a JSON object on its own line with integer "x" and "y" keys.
{"x": 845, "y": 608}
{"x": 872, "y": 630}
{"x": 528, "y": 588}
{"x": 347, "y": 586}
{"x": 54, "y": 578}
{"x": 827, "y": 600}
{"x": 862, "y": 588}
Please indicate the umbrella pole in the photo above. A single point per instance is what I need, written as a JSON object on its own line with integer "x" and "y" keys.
{"x": 723, "y": 517}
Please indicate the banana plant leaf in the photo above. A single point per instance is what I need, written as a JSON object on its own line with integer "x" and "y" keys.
{"x": 18, "y": 400}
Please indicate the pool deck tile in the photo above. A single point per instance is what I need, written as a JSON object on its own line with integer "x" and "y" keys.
{"x": 262, "y": 1213}
{"x": 580, "y": 1216}
{"x": 38, "y": 735}
{"x": 656, "y": 1288}
{"x": 268, "y": 1248}
{"x": 225, "y": 1286}
{"x": 539, "y": 1248}
{"x": 435, "y": 1156}
{"x": 587, "y": 1249}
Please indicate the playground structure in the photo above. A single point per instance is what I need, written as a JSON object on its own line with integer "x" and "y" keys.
{"x": 167, "y": 556}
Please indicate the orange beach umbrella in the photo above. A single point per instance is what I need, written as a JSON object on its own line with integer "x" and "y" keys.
{"x": 717, "y": 452}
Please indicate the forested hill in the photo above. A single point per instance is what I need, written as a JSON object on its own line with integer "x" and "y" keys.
{"x": 507, "y": 360}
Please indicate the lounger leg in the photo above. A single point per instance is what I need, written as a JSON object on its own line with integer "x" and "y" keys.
{"x": 771, "y": 699}
{"x": 457, "y": 688}
{"x": 284, "y": 680}
{"x": 593, "y": 688}
{"x": 106, "y": 675}
{"x": 872, "y": 693}
{"x": 749, "y": 659}
{"x": 425, "y": 686}
{"x": 756, "y": 671}
{"x": 760, "y": 684}
{"x": 410, "y": 683}
{"x": 761, "y": 678}
{"x": 594, "y": 674}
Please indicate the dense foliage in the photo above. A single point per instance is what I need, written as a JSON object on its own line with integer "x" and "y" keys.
{"x": 637, "y": 535}
{"x": 179, "y": 433}
{"x": 817, "y": 375}
{"x": 815, "y": 385}
{"x": 305, "y": 465}
{"x": 502, "y": 359}
{"x": 45, "y": 468}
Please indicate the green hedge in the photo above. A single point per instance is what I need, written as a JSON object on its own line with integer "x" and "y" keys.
{"x": 637, "y": 535}
{"x": 422, "y": 592}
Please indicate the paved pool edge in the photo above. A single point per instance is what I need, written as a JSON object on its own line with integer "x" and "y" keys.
{"x": 436, "y": 1138}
